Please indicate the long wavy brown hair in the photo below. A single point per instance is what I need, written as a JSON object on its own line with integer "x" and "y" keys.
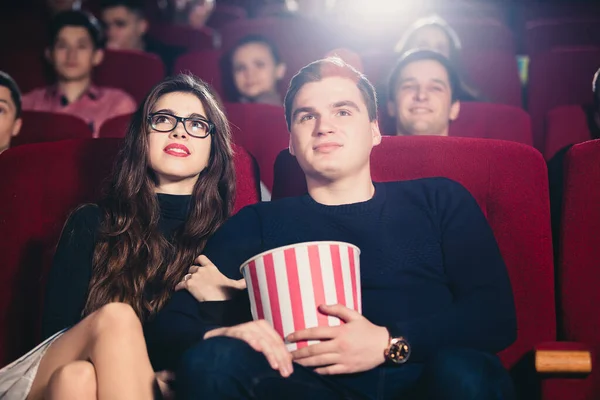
{"x": 133, "y": 262}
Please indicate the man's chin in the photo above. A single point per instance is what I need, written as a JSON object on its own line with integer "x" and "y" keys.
{"x": 72, "y": 77}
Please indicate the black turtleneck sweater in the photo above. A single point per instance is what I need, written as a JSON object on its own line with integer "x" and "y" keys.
{"x": 69, "y": 278}
{"x": 431, "y": 270}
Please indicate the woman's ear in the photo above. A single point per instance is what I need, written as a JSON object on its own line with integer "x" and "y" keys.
{"x": 280, "y": 71}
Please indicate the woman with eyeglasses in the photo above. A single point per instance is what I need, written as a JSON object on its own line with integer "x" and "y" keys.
{"x": 118, "y": 262}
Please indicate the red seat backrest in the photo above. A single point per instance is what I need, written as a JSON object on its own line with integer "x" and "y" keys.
{"x": 184, "y": 36}
{"x": 36, "y": 73}
{"x": 492, "y": 121}
{"x": 260, "y": 129}
{"x": 484, "y": 34}
{"x": 494, "y": 73}
{"x": 134, "y": 72}
{"x": 558, "y": 78}
{"x": 579, "y": 253}
{"x": 548, "y": 33}
{"x": 565, "y": 125}
{"x": 509, "y": 181}
{"x": 41, "y": 184}
{"x": 115, "y": 127}
{"x": 224, "y": 14}
{"x": 206, "y": 65}
{"x": 481, "y": 120}
{"x": 41, "y": 126}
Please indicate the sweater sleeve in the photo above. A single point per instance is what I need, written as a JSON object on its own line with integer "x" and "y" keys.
{"x": 184, "y": 321}
{"x": 70, "y": 274}
{"x": 482, "y": 315}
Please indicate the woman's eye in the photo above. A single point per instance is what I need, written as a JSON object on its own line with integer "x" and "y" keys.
{"x": 198, "y": 125}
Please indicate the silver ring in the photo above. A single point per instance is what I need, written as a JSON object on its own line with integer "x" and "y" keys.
{"x": 188, "y": 276}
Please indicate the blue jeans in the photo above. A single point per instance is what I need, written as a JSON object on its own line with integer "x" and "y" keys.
{"x": 225, "y": 368}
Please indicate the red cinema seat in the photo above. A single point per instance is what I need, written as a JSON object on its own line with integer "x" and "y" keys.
{"x": 41, "y": 126}
{"x": 184, "y": 36}
{"x": 132, "y": 71}
{"x": 565, "y": 125}
{"x": 29, "y": 27}
{"x": 260, "y": 129}
{"x": 299, "y": 41}
{"x": 578, "y": 273}
{"x": 494, "y": 73}
{"x": 36, "y": 73}
{"x": 547, "y": 34}
{"x": 206, "y": 65}
{"x": 481, "y": 120}
{"x": 557, "y": 78}
{"x": 492, "y": 121}
{"x": 115, "y": 127}
{"x": 224, "y": 14}
{"x": 42, "y": 183}
{"x": 509, "y": 181}
{"x": 484, "y": 34}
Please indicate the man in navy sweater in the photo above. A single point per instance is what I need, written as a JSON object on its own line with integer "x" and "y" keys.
{"x": 437, "y": 300}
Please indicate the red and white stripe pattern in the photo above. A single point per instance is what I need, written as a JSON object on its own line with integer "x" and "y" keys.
{"x": 287, "y": 284}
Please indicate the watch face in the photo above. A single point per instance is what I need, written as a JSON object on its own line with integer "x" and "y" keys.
{"x": 399, "y": 352}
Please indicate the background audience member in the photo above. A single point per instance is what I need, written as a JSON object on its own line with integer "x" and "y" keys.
{"x": 423, "y": 94}
{"x": 125, "y": 24}
{"x": 126, "y": 27}
{"x": 434, "y": 33}
{"x": 194, "y": 13}
{"x": 76, "y": 47}
{"x": 256, "y": 68}
{"x": 10, "y": 110}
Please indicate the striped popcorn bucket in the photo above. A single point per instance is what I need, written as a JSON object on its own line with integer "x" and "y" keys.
{"x": 287, "y": 284}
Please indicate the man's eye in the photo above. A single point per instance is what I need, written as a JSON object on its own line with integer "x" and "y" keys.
{"x": 344, "y": 113}
{"x": 306, "y": 117}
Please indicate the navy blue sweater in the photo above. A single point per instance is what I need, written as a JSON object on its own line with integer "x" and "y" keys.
{"x": 431, "y": 270}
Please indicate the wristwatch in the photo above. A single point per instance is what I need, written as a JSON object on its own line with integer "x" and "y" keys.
{"x": 398, "y": 351}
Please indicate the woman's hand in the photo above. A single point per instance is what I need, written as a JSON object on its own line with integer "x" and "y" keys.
{"x": 206, "y": 283}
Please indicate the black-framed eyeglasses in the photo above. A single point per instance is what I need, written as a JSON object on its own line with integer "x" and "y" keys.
{"x": 195, "y": 126}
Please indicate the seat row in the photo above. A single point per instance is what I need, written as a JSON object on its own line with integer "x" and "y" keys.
{"x": 43, "y": 182}
{"x": 261, "y": 128}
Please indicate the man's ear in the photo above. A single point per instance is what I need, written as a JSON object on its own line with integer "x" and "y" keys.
{"x": 291, "y": 147}
{"x": 98, "y": 57}
{"x": 17, "y": 127}
{"x": 454, "y": 110}
{"x": 143, "y": 26}
{"x": 375, "y": 133}
{"x": 280, "y": 71}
